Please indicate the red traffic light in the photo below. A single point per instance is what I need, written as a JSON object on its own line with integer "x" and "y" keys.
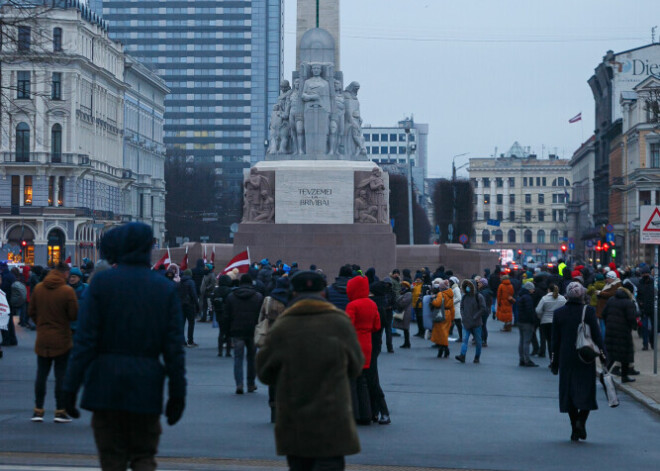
{"x": 606, "y": 247}
{"x": 519, "y": 252}
{"x": 598, "y": 248}
{"x": 24, "y": 243}
{"x": 563, "y": 247}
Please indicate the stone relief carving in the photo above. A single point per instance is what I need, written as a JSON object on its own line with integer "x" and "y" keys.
{"x": 259, "y": 197}
{"x": 371, "y": 199}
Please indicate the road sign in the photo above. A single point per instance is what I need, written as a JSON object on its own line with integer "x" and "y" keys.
{"x": 493, "y": 222}
{"x": 609, "y": 237}
{"x": 590, "y": 243}
{"x": 571, "y": 240}
{"x": 649, "y": 223}
{"x": 463, "y": 238}
{"x": 571, "y": 246}
{"x": 609, "y": 228}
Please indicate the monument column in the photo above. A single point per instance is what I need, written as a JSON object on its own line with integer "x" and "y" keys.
{"x": 327, "y": 12}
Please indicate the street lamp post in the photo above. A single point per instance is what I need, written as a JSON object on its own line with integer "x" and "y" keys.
{"x": 407, "y": 126}
{"x": 453, "y": 187}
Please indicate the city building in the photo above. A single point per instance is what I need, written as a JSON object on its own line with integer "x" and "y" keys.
{"x": 68, "y": 170}
{"x": 581, "y": 206}
{"x": 387, "y": 146}
{"x": 616, "y": 74}
{"x": 222, "y": 61}
{"x": 521, "y": 204}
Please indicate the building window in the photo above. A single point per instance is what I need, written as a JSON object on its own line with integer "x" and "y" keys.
{"x": 57, "y": 39}
{"x": 23, "y": 85}
{"x": 500, "y": 199}
{"x": 383, "y": 137}
{"x": 541, "y": 198}
{"x": 56, "y": 144}
{"x": 485, "y": 236}
{"x": 60, "y": 192}
{"x": 528, "y": 215}
{"x": 512, "y": 216}
{"x": 511, "y": 236}
{"x": 383, "y": 149}
{"x": 51, "y": 191}
{"x": 27, "y": 190}
{"x": 499, "y": 236}
{"x": 486, "y": 199}
{"x": 543, "y": 181}
{"x": 541, "y": 215}
{"x": 554, "y": 236}
{"x": 655, "y": 155}
{"x": 392, "y": 137}
{"x": 500, "y": 215}
{"x": 367, "y": 137}
{"x": 512, "y": 199}
{"x": 392, "y": 150}
{"x": 376, "y": 138}
{"x": 22, "y": 142}
{"x": 375, "y": 150}
{"x": 528, "y": 198}
{"x": 528, "y": 236}
{"x": 499, "y": 183}
{"x": 538, "y": 181}
{"x": 486, "y": 215}
{"x": 56, "y": 86}
{"x": 15, "y": 190}
{"x": 486, "y": 182}
{"x": 23, "y": 38}
{"x": 524, "y": 181}
{"x": 540, "y": 237}
{"x": 512, "y": 182}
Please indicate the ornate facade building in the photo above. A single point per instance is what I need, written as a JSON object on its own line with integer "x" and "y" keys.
{"x": 81, "y": 136}
{"x": 521, "y": 204}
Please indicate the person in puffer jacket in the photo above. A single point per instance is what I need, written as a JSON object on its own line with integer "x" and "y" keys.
{"x": 364, "y": 316}
{"x": 545, "y": 310}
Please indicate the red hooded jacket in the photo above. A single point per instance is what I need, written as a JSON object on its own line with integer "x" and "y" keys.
{"x": 363, "y": 313}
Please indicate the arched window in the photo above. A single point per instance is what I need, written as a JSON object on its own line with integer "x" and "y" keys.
{"x": 540, "y": 237}
{"x": 511, "y": 236}
{"x": 56, "y": 144}
{"x": 485, "y": 236}
{"x": 554, "y": 236}
{"x": 499, "y": 236}
{"x": 528, "y": 236}
{"x": 22, "y": 142}
{"x": 57, "y": 39}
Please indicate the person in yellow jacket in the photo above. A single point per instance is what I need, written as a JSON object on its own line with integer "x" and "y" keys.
{"x": 440, "y": 332}
{"x": 561, "y": 267}
{"x": 417, "y": 305}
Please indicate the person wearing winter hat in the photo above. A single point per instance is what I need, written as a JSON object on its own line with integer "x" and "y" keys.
{"x": 505, "y": 301}
{"x": 76, "y": 282}
{"x": 189, "y": 304}
{"x": 612, "y": 283}
{"x": 484, "y": 290}
{"x": 458, "y": 319}
{"x": 576, "y": 275}
{"x": 440, "y": 334}
{"x": 526, "y": 323}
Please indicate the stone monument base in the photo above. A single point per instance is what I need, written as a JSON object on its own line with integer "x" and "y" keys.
{"x": 328, "y": 246}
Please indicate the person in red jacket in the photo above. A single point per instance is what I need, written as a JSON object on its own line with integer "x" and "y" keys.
{"x": 364, "y": 316}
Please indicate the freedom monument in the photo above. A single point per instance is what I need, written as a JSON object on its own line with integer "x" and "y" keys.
{"x": 316, "y": 197}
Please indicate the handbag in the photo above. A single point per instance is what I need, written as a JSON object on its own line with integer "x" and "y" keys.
{"x": 608, "y": 386}
{"x": 398, "y": 315}
{"x": 439, "y": 314}
{"x": 261, "y": 329}
{"x": 587, "y": 350}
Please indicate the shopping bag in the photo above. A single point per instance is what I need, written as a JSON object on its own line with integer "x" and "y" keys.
{"x": 608, "y": 386}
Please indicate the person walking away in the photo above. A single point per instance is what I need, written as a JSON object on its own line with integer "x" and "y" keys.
{"x": 19, "y": 296}
{"x": 273, "y": 306}
{"x": 364, "y": 316}
{"x": 52, "y": 308}
{"x": 76, "y": 282}
{"x": 312, "y": 350}
{"x": 505, "y": 302}
{"x": 387, "y": 325}
{"x": 404, "y": 306}
{"x": 380, "y": 294}
{"x": 337, "y": 291}
{"x": 484, "y": 290}
{"x": 198, "y": 275}
{"x": 473, "y": 307}
{"x": 526, "y": 322}
{"x": 189, "y": 305}
{"x": 458, "y": 320}
{"x": 577, "y": 379}
{"x": 645, "y": 298}
{"x": 620, "y": 319}
{"x": 218, "y": 301}
{"x": 417, "y": 305}
{"x": 545, "y": 310}
{"x": 123, "y": 370}
{"x": 242, "y": 308}
{"x": 612, "y": 284}
{"x": 9, "y": 335}
{"x": 205, "y": 292}
{"x": 440, "y": 333}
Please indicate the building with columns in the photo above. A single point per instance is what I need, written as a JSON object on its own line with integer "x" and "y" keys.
{"x": 521, "y": 203}
{"x": 71, "y": 166}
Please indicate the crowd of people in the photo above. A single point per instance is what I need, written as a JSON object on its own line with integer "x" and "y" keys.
{"x": 258, "y": 313}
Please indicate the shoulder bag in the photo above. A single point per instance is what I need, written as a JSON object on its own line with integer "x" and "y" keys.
{"x": 439, "y": 313}
{"x": 261, "y": 330}
{"x": 586, "y": 348}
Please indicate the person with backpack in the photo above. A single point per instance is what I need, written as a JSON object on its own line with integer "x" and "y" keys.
{"x": 205, "y": 292}
{"x": 218, "y": 298}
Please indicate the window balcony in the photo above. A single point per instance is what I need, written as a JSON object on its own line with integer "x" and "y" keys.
{"x": 46, "y": 158}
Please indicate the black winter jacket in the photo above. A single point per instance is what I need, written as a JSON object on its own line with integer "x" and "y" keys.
{"x": 242, "y": 309}
{"x": 526, "y": 312}
{"x": 187, "y": 293}
{"x": 219, "y": 296}
{"x": 645, "y": 296}
{"x": 619, "y": 316}
{"x": 337, "y": 293}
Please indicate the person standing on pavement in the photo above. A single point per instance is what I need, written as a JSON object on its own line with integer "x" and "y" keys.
{"x": 121, "y": 368}
{"x": 242, "y": 308}
{"x": 403, "y": 305}
{"x": 526, "y": 322}
{"x": 76, "y": 282}
{"x": 337, "y": 291}
{"x": 620, "y": 319}
{"x": 219, "y": 297}
{"x": 205, "y": 292}
{"x": 8, "y": 336}
{"x": 454, "y": 283}
{"x": 612, "y": 284}
{"x": 473, "y": 307}
{"x": 505, "y": 302}
{"x": 53, "y": 306}
{"x": 444, "y": 296}
{"x": 189, "y": 304}
{"x": 485, "y": 291}
{"x": 545, "y": 310}
{"x": 577, "y": 379}
{"x": 310, "y": 355}
{"x": 417, "y": 305}
{"x": 645, "y": 299}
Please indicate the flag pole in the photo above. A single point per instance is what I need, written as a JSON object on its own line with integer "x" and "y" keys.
{"x": 249, "y": 259}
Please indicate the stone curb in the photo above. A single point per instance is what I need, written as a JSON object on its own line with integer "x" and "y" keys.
{"x": 638, "y": 396}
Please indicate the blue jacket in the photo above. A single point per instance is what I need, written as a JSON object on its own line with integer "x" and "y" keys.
{"x": 129, "y": 334}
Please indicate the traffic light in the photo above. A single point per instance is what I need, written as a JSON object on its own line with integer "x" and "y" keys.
{"x": 613, "y": 253}
{"x": 606, "y": 247}
{"x": 563, "y": 248}
{"x": 519, "y": 252}
{"x": 598, "y": 247}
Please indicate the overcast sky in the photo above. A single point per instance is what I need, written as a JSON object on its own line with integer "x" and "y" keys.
{"x": 482, "y": 73}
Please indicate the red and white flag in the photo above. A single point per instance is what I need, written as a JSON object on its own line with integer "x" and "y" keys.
{"x": 576, "y": 118}
{"x": 68, "y": 260}
{"x": 184, "y": 262}
{"x": 240, "y": 261}
{"x": 213, "y": 256}
{"x": 164, "y": 260}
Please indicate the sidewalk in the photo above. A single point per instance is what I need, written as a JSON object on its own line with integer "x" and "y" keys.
{"x": 646, "y": 388}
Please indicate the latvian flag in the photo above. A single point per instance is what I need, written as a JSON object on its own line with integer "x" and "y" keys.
{"x": 164, "y": 260}
{"x": 576, "y": 118}
{"x": 240, "y": 261}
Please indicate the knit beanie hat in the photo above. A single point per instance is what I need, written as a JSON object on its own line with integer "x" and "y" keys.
{"x": 611, "y": 275}
{"x": 575, "y": 290}
{"x": 529, "y": 286}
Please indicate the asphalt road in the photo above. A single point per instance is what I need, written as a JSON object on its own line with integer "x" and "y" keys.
{"x": 491, "y": 416}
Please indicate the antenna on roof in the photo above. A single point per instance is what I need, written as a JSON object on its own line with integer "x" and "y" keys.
{"x": 653, "y": 34}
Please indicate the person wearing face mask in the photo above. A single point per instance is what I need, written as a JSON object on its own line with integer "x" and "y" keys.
{"x": 473, "y": 306}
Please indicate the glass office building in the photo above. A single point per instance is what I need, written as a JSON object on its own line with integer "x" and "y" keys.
{"x": 222, "y": 61}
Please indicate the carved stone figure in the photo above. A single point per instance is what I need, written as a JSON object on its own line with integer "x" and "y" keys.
{"x": 266, "y": 212}
{"x": 364, "y": 211}
{"x": 354, "y": 139}
{"x": 316, "y": 97}
{"x": 275, "y": 130}
{"x": 374, "y": 185}
{"x": 337, "y": 121}
{"x": 255, "y": 185}
{"x": 295, "y": 113}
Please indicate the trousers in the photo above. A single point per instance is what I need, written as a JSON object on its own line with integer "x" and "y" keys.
{"x": 44, "y": 365}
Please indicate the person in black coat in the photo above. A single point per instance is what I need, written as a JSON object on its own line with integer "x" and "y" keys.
{"x": 189, "y": 304}
{"x": 198, "y": 275}
{"x": 218, "y": 298}
{"x": 577, "y": 380}
{"x": 337, "y": 291}
{"x": 526, "y": 323}
{"x": 645, "y": 299}
{"x": 620, "y": 319}
{"x": 242, "y": 308}
{"x": 130, "y": 318}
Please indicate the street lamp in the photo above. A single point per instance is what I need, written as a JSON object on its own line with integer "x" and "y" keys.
{"x": 453, "y": 165}
{"x": 407, "y": 126}
{"x": 453, "y": 187}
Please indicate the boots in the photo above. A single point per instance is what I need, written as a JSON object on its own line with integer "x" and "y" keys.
{"x": 507, "y": 327}
{"x": 460, "y": 358}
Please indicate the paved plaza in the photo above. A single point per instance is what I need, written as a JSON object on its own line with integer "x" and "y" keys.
{"x": 445, "y": 415}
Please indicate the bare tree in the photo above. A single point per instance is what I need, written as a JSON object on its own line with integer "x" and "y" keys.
{"x": 652, "y": 102}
